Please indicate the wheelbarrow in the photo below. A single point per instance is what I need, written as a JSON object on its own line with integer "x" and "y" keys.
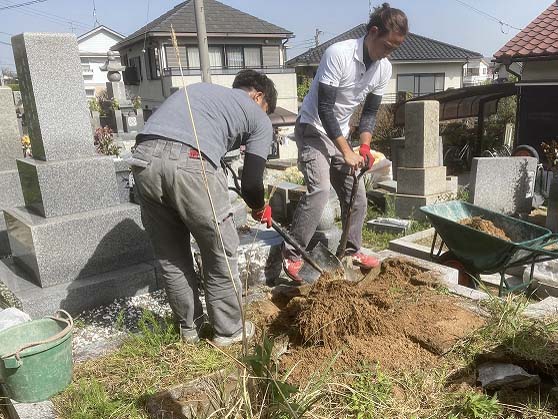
{"x": 474, "y": 252}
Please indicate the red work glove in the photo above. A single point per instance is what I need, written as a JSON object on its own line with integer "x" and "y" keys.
{"x": 364, "y": 151}
{"x": 263, "y": 215}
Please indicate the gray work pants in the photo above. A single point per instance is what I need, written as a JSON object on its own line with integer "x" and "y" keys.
{"x": 323, "y": 167}
{"x": 174, "y": 204}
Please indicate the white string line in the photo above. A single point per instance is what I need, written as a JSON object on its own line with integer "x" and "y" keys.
{"x": 206, "y": 182}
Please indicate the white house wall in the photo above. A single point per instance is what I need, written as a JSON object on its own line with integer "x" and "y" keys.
{"x": 284, "y": 83}
{"x": 453, "y": 75}
{"x": 540, "y": 71}
{"x": 99, "y": 42}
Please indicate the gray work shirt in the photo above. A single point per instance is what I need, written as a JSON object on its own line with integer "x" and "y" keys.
{"x": 223, "y": 117}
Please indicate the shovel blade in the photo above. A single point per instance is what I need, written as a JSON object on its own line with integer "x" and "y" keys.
{"x": 325, "y": 260}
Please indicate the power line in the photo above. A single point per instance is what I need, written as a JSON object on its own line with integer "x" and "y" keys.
{"x": 48, "y": 16}
{"x": 6, "y": 33}
{"x": 15, "y": 6}
{"x": 5, "y": 43}
{"x": 488, "y": 15}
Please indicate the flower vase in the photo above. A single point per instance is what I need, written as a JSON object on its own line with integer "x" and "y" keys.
{"x": 552, "y": 204}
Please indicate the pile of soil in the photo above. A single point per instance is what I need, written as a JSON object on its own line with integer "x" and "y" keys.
{"x": 396, "y": 318}
{"x": 486, "y": 226}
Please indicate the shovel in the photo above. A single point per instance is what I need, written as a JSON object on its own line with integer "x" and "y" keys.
{"x": 319, "y": 260}
{"x": 350, "y": 271}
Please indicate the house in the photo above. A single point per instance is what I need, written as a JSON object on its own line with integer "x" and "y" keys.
{"x": 477, "y": 71}
{"x": 536, "y": 48}
{"x": 236, "y": 41}
{"x": 93, "y": 47}
{"x": 420, "y": 66}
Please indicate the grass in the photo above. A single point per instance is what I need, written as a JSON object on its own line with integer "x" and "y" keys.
{"x": 118, "y": 385}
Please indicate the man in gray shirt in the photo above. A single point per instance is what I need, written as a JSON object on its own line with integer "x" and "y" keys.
{"x": 174, "y": 199}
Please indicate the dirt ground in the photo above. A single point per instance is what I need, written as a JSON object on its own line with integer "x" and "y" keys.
{"x": 485, "y": 226}
{"x": 394, "y": 317}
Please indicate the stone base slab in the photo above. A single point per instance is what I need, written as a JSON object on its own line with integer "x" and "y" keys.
{"x": 61, "y": 249}
{"x": 57, "y": 188}
{"x": 10, "y": 196}
{"x": 408, "y": 206}
{"x": 421, "y": 181}
{"x": 81, "y": 294}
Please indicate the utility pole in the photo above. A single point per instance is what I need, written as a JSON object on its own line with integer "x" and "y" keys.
{"x": 202, "y": 41}
{"x": 317, "y": 37}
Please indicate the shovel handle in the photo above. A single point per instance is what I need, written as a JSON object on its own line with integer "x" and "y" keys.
{"x": 289, "y": 239}
{"x": 345, "y": 234}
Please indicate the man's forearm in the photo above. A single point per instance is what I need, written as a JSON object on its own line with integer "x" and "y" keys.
{"x": 365, "y": 138}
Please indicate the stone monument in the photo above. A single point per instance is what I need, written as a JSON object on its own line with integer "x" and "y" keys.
{"x": 126, "y": 119}
{"x": 422, "y": 179}
{"x": 74, "y": 245}
{"x": 10, "y": 150}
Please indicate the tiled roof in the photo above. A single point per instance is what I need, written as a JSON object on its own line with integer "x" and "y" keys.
{"x": 219, "y": 18}
{"x": 538, "y": 39}
{"x": 414, "y": 48}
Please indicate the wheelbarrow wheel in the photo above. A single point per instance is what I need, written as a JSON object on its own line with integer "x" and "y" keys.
{"x": 465, "y": 278}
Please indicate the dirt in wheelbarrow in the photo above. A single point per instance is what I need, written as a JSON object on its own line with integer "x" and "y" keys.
{"x": 396, "y": 318}
{"x": 486, "y": 226}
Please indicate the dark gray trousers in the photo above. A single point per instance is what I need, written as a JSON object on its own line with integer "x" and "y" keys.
{"x": 323, "y": 167}
{"x": 174, "y": 204}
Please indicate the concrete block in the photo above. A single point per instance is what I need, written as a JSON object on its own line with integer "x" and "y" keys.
{"x": 122, "y": 169}
{"x": 422, "y": 141}
{"x": 546, "y": 308}
{"x": 79, "y": 295}
{"x": 284, "y": 199}
{"x": 408, "y": 244}
{"x": 61, "y": 249}
{"x": 388, "y": 225}
{"x": 10, "y": 189}
{"x": 408, "y": 206}
{"x": 49, "y": 72}
{"x": 452, "y": 184}
{"x": 10, "y": 146}
{"x": 63, "y": 187}
{"x": 503, "y": 184}
{"x": 421, "y": 181}
{"x": 329, "y": 238}
{"x": 12, "y": 316}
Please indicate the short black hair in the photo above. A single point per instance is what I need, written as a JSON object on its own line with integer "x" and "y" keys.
{"x": 251, "y": 79}
{"x": 388, "y": 19}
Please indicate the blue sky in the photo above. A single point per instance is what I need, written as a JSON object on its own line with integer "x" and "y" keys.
{"x": 446, "y": 20}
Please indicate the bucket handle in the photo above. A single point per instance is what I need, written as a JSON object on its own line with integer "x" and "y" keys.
{"x": 16, "y": 363}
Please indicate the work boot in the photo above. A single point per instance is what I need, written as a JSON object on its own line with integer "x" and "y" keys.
{"x": 292, "y": 267}
{"x": 189, "y": 336}
{"x": 222, "y": 341}
{"x": 364, "y": 261}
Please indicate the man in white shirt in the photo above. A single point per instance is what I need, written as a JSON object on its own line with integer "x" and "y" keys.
{"x": 350, "y": 72}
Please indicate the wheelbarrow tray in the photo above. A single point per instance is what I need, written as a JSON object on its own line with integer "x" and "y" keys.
{"x": 481, "y": 252}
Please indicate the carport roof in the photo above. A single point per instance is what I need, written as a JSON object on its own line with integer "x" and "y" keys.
{"x": 464, "y": 102}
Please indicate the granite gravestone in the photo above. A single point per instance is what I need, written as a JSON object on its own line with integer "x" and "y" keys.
{"x": 503, "y": 184}
{"x": 75, "y": 245}
{"x": 10, "y": 150}
{"x": 421, "y": 180}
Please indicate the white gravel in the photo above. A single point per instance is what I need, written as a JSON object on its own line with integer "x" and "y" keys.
{"x": 103, "y": 324}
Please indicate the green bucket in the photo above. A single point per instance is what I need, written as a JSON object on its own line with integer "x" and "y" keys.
{"x": 36, "y": 358}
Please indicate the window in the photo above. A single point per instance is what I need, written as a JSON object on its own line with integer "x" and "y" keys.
{"x": 252, "y": 57}
{"x": 135, "y": 63}
{"x": 216, "y": 57}
{"x": 220, "y": 57}
{"x": 472, "y": 72}
{"x": 193, "y": 55}
{"x": 90, "y": 92}
{"x": 420, "y": 84}
{"x": 153, "y": 71}
{"x": 484, "y": 70}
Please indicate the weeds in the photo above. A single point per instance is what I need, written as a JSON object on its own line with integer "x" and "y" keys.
{"x": 472, "y": 405}
{"x": 120, "y": 383}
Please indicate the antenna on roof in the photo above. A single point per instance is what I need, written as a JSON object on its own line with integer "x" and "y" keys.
{"x": 96, "y": 24}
